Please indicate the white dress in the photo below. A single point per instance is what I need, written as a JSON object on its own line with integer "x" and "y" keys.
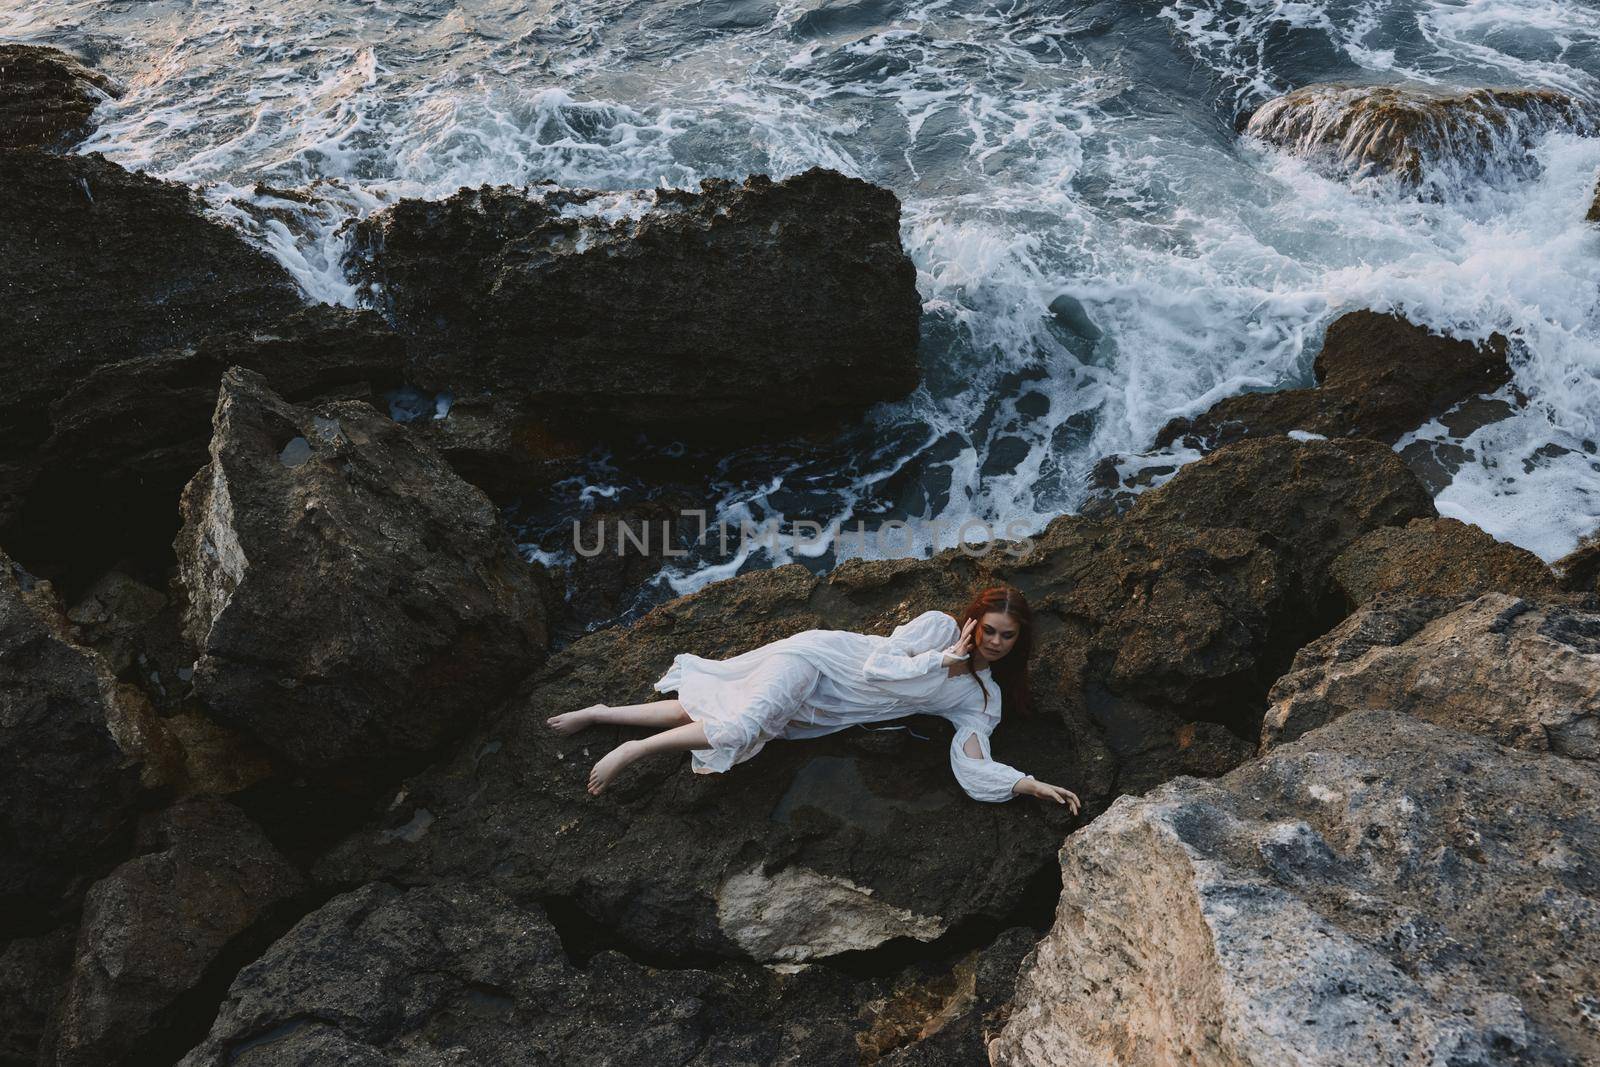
{"x": 819, "y": 681}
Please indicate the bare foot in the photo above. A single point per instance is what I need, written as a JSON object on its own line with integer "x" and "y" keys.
{"x": 573, "y": 721}
{"x": 606, "y": 769}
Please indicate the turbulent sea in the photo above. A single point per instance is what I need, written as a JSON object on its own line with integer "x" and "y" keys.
{"x": 1097, "y": 249}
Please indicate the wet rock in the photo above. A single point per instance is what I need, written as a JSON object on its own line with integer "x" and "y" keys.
{"x": 155, "y": 930}
{"x": 74, "y": 745}
{"x": 1157, "y": 638}
{"x": 454, "y": 973}
{"x": 617, "y": 549}
{"x": 1437, "y": 558}
{"x": 1414, "y": 134}
{"x": 1378, "y": 376}
{"x": 735, "y": 311}
{"x": 33, "y": 972}
{"x": 1384, "y": 884}
{"x": 1517, "y": 671}
{"x": 353, "y": 601}
{"x": 46, "y": 97}
{"x": 125, "y": 439}
{"x": 500, "y": 449}
{"x": 104, "y": 266}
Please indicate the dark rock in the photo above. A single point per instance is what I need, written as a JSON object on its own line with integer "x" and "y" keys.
{"x": 618, "y": 548}
{"x": 1437, "y": 558}
{"x": 126, "y": 438}
{"x": 104, "y": 266}
{"x": 1580, "y": 568}
{"x": 1416, "y": 893}
{"x": 1378, "y": 376}
{"x": 113, "y": 616}
{"x": 155, "y": 929}
{"x": 1156, "y": 634}
{"x": 1518, "y": 671}
{"x": 500, "y": 449}
{"x": 736, "y": 311}
{"x": 46, "y": 97}
{"x": 949, "y": 1021}
{"x": 33, "y": 972}
{"x": 1414, "y": 133}
{"x": 73, "y": 746}
{"x": 353, "y": 601}
{"x": 1311, "y": 498}
{"x": 463, "y": 974}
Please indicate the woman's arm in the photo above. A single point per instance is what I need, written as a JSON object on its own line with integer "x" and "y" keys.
{"x": 985, "y": 779}
{"x": 914, "y": 649}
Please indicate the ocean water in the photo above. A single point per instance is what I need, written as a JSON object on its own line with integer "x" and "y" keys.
{"x": 1097, "y": 249}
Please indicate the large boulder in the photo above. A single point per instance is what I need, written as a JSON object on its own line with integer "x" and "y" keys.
{"x": 102, "y": 266}
{"x": 1383, "y": 890}
{"x": 1524, "y": 673}
{"x": 353, "y": 602}
{"x": 1153, "y": 632}
{"x": 1414, "y": 133}
{"x": 1378, "y": 376}
{"x": 206, "y": 888}
{"x": 125, "y": 437}
{"x": 74, "y": 748}
{"x": 46, "y": 97}
{"x": 812, "y": 850}
{"x": 718, "y": 314}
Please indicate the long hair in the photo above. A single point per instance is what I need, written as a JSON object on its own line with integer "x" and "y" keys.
{"x": 1010, "y": 672}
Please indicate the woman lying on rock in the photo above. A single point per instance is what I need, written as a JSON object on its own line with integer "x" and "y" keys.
{"x": 820, "y": 681}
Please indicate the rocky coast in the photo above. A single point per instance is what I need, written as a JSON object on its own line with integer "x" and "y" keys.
{"x": 275, "y": 785}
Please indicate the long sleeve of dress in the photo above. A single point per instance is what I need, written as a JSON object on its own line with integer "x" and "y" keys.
{"x": 983, "y": 779}
{"x": 914, "y": 649}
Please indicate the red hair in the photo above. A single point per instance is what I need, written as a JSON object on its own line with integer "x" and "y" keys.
{"x": 1010, "y": 671}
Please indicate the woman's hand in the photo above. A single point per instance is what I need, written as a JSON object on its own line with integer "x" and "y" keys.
{"x": 963, "y": 646}
{"x": 1032, "y": 787}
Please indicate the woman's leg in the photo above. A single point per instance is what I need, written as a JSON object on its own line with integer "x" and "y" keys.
{"x": 661, "y": 714}
{"x": 678, "y": 739}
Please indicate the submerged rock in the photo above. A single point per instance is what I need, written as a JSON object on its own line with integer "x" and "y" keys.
{"x": 46, "y": 97}
{"x": 104, "y": 266}
{"x": 720, "y": 314}
{"x": 1383, "y": 888}
{"x": 1414, "y": 133}
{"x": 1378, "y": 376}
{"x": 155, "y": 927}
{"x": 1156, "y": 634}
{"x": 354, "y": 603}
{"x": 1520, "y": 672}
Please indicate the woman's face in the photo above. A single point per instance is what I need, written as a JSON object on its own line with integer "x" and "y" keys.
{"x": 997, "y": 632}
